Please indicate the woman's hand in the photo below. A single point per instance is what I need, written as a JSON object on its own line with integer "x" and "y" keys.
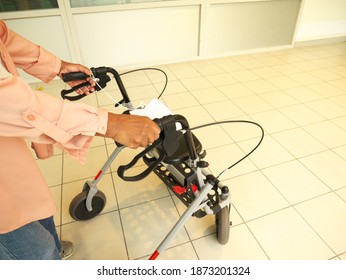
{"x": 67, "y": 67}
{"x": 131, "y": 130}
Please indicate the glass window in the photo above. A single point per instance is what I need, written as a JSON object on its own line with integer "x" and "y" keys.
{"x": 90, "y": 3}
{"x": 25, "y": 5}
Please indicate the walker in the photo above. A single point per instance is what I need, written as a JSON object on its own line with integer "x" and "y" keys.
{"x": 176, "y": 157}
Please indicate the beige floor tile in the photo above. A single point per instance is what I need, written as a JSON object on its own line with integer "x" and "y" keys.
{"x": 278, "y": 99}
{"x": 98, "y": 239}
{"x": 240, "y": 131}
{"x": 339, "y": 70}
{"x": 305, "y": 78}
{"x": 157, "y": 76}
{"x": 195, "y": 115}
{"x": 228, "y": 65}
{"x": 260, "y": 86}
{"x": 171, "y": 87}
{"x": 223, "y": 110}
{"x": 144, "y": 229}
{"x": 286, "y": 69}
{"x": 327, "y": 133}
{"x": 342, "y": 193}
{"x": 221, "y": 158}
{"x": 340, "y": 99}
{"x": 135, "y": 79}
{"x": 298, "y": 142}
{"x": 341, "y": 151}
{"x": 340, "y": 83}
{"x": 303, "y": 94}
{"x": 180, "y": 100}
{"x": 327, "y": 108}
{"x": 252, "y": 104}
{"x": 209, "y": 95}
{"x": 266, "y": 72}
{"x": 343, "y": 256}
{"x": 137, "y": 192}
{"x": 142, "y": 93}
{"x": 71, "y": 190}
{"x": 273, "y": 121}
{"x": 47, "y": 166}
{"x": 208, "y": 69}
{"x": 235, "y": 91}
{"x": 284, "y": 82}
{"x": 329, "y": 167}
{"x": 254, "y": 196}
{"x": 196, "y": 83}
{"x": 250, "y": 63}
{"x": 221, "y": 79}
{"x": 186, "y": 73}
{"x": 305, "y": 65}
{"x": 340, "y": 122}
{"x": 326, "y": 215}
{"x": 241, "y": 246}
{"x": 269, "y": 153}
{"x": 244, "y": 76}
{"x": 212, "y": 137}
{"x": 284, "y": 235}
{"x": 295, "y": 182}
{"x": 325, "y": 75}
{"x": 301, "y": 114}
{"x": 269, "y": 60}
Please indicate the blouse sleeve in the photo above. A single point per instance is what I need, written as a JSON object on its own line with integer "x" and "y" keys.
{"x": 45, "y": 119}
{"x": 38, "y": 116}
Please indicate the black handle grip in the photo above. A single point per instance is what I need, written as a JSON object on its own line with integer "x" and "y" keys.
{"x": 123, "y": 168}
{"x": 74, "y": 76}
{"x": 72, "y": 90}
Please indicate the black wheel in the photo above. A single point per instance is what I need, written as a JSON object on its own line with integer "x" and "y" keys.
{"x": 78, "y": 210}
{"x": 222, "y": 222}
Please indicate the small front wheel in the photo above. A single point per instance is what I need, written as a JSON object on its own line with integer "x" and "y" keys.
{"x": 78, "y": 209}
{"x": 222, "y": 222}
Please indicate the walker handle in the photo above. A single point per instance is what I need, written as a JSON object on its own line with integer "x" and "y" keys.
{"x": 74, "y": 76}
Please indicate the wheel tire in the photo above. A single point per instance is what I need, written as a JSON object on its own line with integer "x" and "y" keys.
{"x": 78, "y": 210}
{"x": 222, "y": 222}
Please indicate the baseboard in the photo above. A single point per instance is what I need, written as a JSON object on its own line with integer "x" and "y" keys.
{"x": 322, "y": 41}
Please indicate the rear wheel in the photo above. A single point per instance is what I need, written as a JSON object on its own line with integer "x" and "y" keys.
{"x": 222, "y": 222}
{"x": 78, "y": 210}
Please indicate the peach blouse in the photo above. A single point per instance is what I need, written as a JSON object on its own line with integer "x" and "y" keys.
{"x": 44, "y": 120}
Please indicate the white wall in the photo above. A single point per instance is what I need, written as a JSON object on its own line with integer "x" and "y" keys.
{"x": 131, "y": 35}
{"x": 321, "y": 19}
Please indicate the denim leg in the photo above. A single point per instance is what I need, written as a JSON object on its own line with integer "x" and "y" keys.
{"x": 30, "y": 242}
{"x": 49, "y": 225}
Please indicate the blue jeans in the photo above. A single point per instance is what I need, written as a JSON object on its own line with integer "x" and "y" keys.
{"x": 34, "y": 241}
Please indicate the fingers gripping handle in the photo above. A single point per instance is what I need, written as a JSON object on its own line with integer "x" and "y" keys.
{"x": 74, "y": 76}
{"x": 160, "y": 145}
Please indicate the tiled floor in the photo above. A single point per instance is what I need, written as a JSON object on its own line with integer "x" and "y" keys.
{"x": 289, "y": 196}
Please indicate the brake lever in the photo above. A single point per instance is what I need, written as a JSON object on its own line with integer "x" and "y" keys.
{"x": 74, "y": 97}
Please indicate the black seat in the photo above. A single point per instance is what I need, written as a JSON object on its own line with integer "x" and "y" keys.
{"x": 182, "y": 153}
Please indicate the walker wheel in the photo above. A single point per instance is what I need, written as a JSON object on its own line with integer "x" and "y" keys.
{"x": 222, "y": 222}
{"x": 78, "y": 210}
